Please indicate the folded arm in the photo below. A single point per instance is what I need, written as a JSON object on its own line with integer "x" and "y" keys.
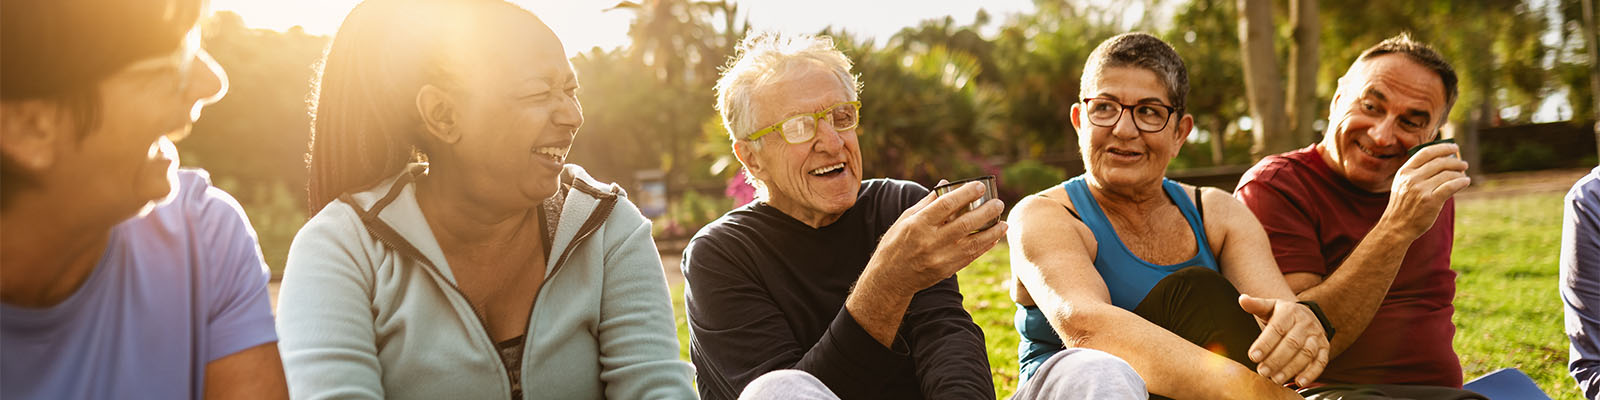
{"x": 1293, "y": 344}
{"x": 1051, "y": 254}
{"x": 1350, "y": 296}
{"x": 1352, "y": 293}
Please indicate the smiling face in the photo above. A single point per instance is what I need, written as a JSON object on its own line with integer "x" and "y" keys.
{"x": 1384, "y": 105}
{"x": 126, "y": 162}
{"x": 516, "y": 113}
{"x": 1122, "y": 156}
{"x": 815, "y": 181}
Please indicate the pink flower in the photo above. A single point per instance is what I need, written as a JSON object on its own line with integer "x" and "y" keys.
{"x": 739, "y": 190}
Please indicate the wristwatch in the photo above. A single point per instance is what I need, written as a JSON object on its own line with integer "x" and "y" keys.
{"x": 1327, "y": 327}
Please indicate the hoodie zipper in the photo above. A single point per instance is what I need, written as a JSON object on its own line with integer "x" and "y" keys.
{"x": 384, "y": 234}
{"x": 596, "y": 218}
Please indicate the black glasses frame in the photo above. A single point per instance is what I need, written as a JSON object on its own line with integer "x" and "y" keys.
{"x": 1129, "y": 108}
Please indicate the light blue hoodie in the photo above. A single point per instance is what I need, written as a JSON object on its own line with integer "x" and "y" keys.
{"x": 361, "y": 316}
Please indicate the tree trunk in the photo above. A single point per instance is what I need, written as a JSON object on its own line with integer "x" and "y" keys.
{"x": 1303, "y": 75}
{"x": 1471, "y": 152}
{"x": 1263, "y": 82}
{"x": 1219, "y": 141}
{"x": 1591, "y": 36}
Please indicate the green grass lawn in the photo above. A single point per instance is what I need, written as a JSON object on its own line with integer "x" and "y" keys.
{"x": 1508, "y": 311}
{"x": 1508, "y": 308}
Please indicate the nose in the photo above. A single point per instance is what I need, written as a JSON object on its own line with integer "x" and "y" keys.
{"x": 1384, "y": 132}
{"x": 1125, "y": 130}
{"x": 207, "y": 83}
{"x": 569, "y": 115}
{"x": 827, "y": 139}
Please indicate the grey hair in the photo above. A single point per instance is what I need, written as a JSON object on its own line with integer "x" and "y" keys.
{"x": 1141, "y": 50}
{"x": 763, "y": 57}
{"x": 1422, "y": 54}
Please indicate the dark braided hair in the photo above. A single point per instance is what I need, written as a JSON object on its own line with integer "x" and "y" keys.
{"x": 365, "y": 122}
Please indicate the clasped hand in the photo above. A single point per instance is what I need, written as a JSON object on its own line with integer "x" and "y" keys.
{"x": 1292, "y": 344}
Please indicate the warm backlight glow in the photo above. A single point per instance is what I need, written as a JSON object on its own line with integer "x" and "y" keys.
{"x": 583, "y": 25}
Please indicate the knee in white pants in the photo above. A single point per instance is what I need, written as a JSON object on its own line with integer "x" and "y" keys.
{"x": 1079, "y": 373}
{"x": 787, "y": 384}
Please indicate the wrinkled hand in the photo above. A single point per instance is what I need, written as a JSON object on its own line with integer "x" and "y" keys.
{"x": 1423, "y": 184}
{"x": 1292, "y": 344}
{"x": 925, "y": 246}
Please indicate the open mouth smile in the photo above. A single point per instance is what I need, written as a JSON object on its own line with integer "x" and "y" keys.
{"x": 554, "y": 153}
{"x": 828, "y": 171}
{"x": 1369, "y": 152}
{"x": 1124, "y": 153}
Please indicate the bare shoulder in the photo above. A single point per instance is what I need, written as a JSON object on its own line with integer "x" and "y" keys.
{"x": 1043, "y": 219}
{"x": 1042, "y": 205}
{"x": 1220, "y": 206}
{"x": 1223, "y": 213}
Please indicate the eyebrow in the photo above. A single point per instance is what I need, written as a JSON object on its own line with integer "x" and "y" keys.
{"x": 1156, "y": 100}
{"x": 795, "y": 111}
{"x": 1375, "y": 94}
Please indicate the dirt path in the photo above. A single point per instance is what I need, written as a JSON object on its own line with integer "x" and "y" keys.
{"x": 1517, "y": 183}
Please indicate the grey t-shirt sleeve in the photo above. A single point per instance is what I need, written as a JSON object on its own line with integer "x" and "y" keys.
{"x": 1580, "y": 281}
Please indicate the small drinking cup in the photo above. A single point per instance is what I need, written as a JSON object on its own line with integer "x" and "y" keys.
{"x": 989, "y": 193}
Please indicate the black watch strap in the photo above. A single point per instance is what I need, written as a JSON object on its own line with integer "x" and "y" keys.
{"x": 1327, "y": 326}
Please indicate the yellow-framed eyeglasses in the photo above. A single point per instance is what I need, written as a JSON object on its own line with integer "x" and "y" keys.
{"x": 802, "y": 128}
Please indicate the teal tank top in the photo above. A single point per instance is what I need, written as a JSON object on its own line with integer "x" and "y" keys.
{"x": 1127, "y": 277}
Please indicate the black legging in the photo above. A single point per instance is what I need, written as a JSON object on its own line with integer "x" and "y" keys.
{"x": 1201, "y": 306}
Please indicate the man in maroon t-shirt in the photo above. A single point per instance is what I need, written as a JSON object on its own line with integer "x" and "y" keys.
{"x": 1365, "y": 230}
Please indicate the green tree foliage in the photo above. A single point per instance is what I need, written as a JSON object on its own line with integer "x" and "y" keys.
{"x": 254, "y": 140}
{"x": 1493, "y": 44}
{"x": 1031, "y": 176}
{"x": 645, "y": 105}
{"x": 1574, "y": 64}
{"x": 1041, "y": 58}
{"x": 942, "y": 100}
{"x": 260, "y": 130}
{"x": 1203, "y": 34}
{"x": 631, "y": 122}
{"x": 919, "y": 111}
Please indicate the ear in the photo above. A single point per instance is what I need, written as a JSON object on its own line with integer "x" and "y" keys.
{"x": 30, "y": 130}
{"x": 1339, "y": 90}
{"x": 1077, "y": 117}
{"x": 1185, "y": 128}
{"x": 743, "y": 151}
{"x": 438, "y": 113}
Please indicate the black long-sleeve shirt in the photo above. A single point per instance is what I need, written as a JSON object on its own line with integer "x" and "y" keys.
{"x": 766, "y": 292}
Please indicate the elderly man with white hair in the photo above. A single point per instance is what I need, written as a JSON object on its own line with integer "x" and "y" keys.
{"x": 847, "y": 284}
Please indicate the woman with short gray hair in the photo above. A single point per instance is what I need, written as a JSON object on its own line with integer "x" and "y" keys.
{"x": 1123, "y": 260}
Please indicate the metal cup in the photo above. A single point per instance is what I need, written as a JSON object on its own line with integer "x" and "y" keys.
{"x": 1413, "y": 151}
{"x": 990, "y": 192}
